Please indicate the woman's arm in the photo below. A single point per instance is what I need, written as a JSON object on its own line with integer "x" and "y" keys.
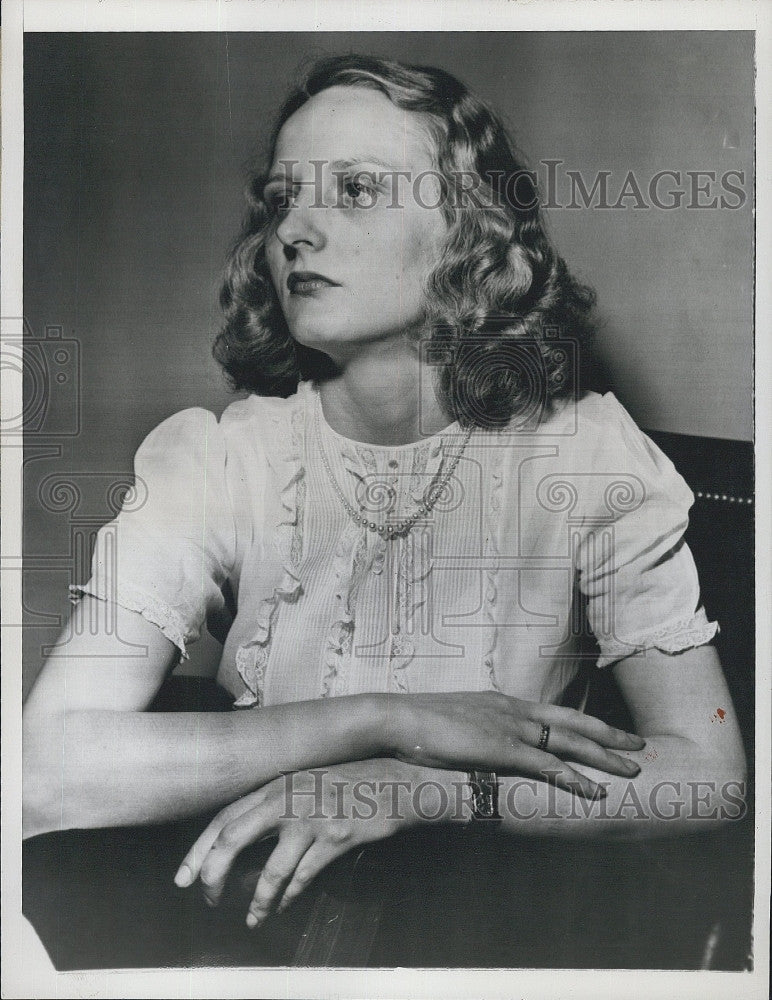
{"x": 692, "y": 774}
{"x": 693, "y": 767}
{"x": 94, "y": 757}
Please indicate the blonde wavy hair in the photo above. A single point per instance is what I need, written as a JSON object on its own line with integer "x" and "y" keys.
{"x": 508, "y": 328}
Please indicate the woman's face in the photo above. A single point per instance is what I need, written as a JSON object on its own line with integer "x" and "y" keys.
{"x": 342, "y": 212}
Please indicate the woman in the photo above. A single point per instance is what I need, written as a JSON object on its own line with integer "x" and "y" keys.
{"x": 412, "y": 531}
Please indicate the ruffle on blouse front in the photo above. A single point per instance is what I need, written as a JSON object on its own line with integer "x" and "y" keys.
{"x": 169, "y": 621}
{"x": 360, "y": 551}
{"x": 413, "y": 566}
{"x": 402, "y": 653}
{"x": 348, "y": 564}
{"x": 683, "y": 635}
{"x": 285, "y": 456}
{"x": 492, "y": 569}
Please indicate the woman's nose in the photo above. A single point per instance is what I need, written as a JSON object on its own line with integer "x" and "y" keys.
{"x": 301, "y": 224}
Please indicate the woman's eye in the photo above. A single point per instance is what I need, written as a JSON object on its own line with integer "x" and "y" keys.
{"x": 359, "y": 191}
{"x": 279, "y": 202}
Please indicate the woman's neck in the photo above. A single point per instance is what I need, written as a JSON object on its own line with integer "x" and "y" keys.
{"x": 383, "y": 399}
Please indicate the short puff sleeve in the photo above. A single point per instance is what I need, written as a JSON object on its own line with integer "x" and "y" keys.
{"x": 635, "y": 569}
{"x": 170, "y": 549}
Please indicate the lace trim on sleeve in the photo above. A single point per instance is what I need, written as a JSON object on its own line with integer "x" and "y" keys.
{"x": 157, "y": 613}
{"x": 675, "y": 638}
{"x": 285, "y": 455}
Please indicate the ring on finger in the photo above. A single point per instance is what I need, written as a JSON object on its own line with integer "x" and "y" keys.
{"x": 544, "y": 737}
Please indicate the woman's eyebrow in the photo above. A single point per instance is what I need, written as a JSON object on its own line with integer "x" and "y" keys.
{"x": 335, "y": 165}
{"x": 275, "y": 178}
{"x": 351, "y": 161}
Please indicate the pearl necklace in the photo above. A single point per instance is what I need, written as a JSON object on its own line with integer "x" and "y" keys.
{"x": 396, "y": 528}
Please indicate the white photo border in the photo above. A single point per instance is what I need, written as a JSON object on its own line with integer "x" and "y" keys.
{"x": 26, "y": 970}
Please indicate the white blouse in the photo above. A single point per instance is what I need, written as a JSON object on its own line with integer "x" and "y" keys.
{"x": 539, "y": 532}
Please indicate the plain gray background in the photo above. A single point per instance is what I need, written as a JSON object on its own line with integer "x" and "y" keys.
{"x": 135, "y": 148}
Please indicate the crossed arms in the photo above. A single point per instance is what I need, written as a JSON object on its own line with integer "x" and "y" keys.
{"x": 94, "y": 757}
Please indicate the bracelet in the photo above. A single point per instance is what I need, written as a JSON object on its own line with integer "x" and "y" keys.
{"x": 485, "y": 797}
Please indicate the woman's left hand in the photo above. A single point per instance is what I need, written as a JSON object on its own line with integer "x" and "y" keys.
{"x": 318, "y": 816}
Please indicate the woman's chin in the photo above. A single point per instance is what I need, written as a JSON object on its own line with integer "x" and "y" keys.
{"x": 315, "y": 338}
{"x": 330, "y": 338}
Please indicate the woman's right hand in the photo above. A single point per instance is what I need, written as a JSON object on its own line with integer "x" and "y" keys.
{"x": 485, "y": 730}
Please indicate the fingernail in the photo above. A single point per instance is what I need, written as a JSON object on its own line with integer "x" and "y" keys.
{"x": 251, "y": 920}
{"x": 639, "y": 741}
{"x": 632, "y": 767}
{"x": 184, "y": 877}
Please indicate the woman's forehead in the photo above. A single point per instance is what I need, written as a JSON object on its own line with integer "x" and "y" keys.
{"x": 343, "y": 123}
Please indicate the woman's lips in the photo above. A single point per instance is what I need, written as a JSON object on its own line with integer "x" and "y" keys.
{"x": 308, "y": 282}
